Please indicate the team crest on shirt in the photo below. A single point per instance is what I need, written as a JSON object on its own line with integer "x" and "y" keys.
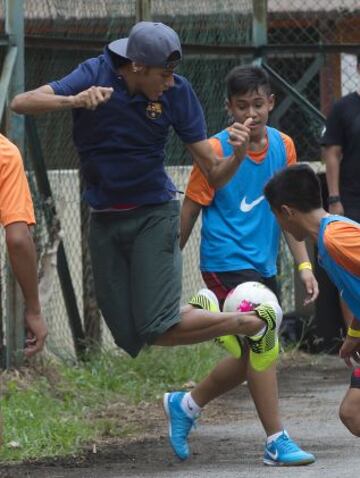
{"x": 154, "y": 110}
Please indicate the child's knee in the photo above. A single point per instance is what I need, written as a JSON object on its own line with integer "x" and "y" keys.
{"x": 344, "y": 413}
{"x": 349, "y": 417}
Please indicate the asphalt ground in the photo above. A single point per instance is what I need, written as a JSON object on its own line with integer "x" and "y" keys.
{"x": 229, "y": 439}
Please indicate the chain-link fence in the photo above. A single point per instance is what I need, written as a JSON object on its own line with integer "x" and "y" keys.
{"x": 310, "y": 45}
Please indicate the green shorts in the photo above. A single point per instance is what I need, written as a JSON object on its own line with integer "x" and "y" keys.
{"x": 137, "y": 269}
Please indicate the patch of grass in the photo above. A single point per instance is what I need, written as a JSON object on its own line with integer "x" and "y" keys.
{"x": 40, "y": 425}
{"x": 56, "y": 408}
{"x": 142, "y": 379}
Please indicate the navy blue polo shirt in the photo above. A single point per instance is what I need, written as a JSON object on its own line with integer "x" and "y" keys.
{"x": 121, "y": 144}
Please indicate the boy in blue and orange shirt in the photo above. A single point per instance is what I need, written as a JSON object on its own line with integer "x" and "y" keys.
{"x": 295, "y": 198}
{"x": 239, "y": 243}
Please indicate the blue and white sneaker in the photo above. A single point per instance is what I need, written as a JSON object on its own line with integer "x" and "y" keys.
{"x": 180, "y": 424}
{"x": 285, "y": 452}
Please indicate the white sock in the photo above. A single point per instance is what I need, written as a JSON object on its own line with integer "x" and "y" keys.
{"x": 189, "y": 406}
{"x": 274, "y": 436}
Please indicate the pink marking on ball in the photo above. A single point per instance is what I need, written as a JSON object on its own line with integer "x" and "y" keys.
{"x": 245, "y": 306}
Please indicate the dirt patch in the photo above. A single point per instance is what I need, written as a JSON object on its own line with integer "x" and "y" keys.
{"x": 305, "y": 388}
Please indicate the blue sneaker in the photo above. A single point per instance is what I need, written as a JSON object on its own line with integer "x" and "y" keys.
{"x": 285, "y": 452}
{"x": 180, "y": 424}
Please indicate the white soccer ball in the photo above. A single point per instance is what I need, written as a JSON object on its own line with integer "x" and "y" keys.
{"x": 247, "y": 296}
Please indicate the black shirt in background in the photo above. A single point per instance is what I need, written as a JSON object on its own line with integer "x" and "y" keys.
{"x": 343, "y": 129}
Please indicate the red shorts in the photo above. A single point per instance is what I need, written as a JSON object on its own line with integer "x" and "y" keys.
{"x": 221, "y": 283}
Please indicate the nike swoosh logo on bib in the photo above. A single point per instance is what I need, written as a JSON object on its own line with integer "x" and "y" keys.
{"x": 246, "y": 207}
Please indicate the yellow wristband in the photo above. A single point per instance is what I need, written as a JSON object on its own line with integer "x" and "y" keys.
{"x": 353, "y": 333}
{"x": 305, "y": 265}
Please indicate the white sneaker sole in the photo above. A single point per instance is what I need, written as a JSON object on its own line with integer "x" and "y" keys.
{"x": 167, "y": 411}
{"x": 276, "y": 463}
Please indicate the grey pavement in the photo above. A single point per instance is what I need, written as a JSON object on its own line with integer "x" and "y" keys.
{"x": 232, "y": 446}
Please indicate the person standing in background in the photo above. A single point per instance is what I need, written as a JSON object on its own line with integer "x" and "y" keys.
{"x": 341, "y": 154}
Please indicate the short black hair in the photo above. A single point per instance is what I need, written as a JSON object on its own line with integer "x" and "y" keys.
{"x": 295, "y": 186}
{"x": 247, "y": 78}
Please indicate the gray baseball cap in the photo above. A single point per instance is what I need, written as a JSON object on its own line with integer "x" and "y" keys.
{"x": 151, "y": 44}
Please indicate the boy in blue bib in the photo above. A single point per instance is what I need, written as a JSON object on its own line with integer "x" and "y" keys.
{"x": 294, "y": 196}
{"x": 239, "y": 242}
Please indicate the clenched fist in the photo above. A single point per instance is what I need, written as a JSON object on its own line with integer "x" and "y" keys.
{"x": 239, "y": 138}
{"x": 91, "y": 98}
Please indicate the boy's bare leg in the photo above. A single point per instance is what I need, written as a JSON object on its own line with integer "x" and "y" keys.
{"x": 230, "y": 373}
{"x": 227, "y": 374}
{"x": 182, "y": 409}
{"x": 263, "y": 387}
{"x": 350, "y": 411}
{"x": 198, "y": 325}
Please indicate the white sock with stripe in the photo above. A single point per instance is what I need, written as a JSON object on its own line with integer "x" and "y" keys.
{"x": 189, "y": 406}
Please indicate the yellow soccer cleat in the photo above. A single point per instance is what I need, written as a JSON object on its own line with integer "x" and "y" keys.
{"x": 207, "y": 300}
{"x": 264, "y": 350}
{"x": 231, "y": 343}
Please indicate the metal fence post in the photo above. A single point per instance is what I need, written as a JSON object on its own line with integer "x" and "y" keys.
{"x": 259, "y": 27}
{"x": 143, "y": 10}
